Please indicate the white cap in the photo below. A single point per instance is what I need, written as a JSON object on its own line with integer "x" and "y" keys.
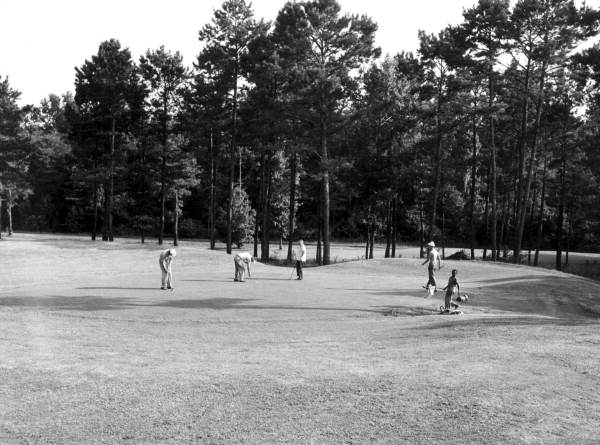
{"x": 430, "y": 244}
{"x": 172, "y": 252}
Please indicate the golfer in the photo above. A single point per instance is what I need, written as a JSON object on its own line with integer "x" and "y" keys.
{"x": 433, "y": 256}
{"x": 242, "y": 261}
{"x": 452, "y": 287}
{"x": 300, "y": 255}
{"x": 164, "y": 260}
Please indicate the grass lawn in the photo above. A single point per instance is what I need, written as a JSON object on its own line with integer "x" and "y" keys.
{"x": 92, "y": 351}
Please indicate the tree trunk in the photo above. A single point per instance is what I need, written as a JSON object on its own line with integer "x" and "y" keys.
{"x": 0, "y": 213}
{"x": 9, "y": 206}
{"x": 176, "y": 225}
{"x": 325, "y": 191}
{"x": 232, "y": 160}
{"x": 532, "y": 218}
{"x": 388, "y": 229}
{"x": 525, "y": 197}
{"x": 493, "y": 169}
{"x": 569, "y": 234}
{"x": 95, "y": 212}
{"x": 240, "y": 167}
{"x": 422, "y": 230}
{"x": 503, "y": 225}
{"x": 540, "y": 225}
{"x": 368, "y": 224}
{"x": 163, "y": 197}
{"x": 472, "y": 191}
{"x": 487, "y": 217}
{"x": 394, "y": 226}
{"x": 255, "y": 236}
{"x": 437, "y": 163}
{"x": 560, "y": 216}
{"x": 105, "y": 189}
{"x": 368, "y": 241}
{"x": 319, "y": 255}
{"x": 443, "y": 234}
{"x": 521, "y": 157}
{"x": 266, "y": 202}
{"x": 371, "y": 241}
{"x": 292, "y": 210}
{"x": 111, "y": 180}
{"x": 211, "y": 210}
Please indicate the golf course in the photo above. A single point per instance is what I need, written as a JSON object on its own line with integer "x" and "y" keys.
{"x": 93, "y": 351}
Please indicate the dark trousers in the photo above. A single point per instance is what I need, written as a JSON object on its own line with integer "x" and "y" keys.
{"x": 299, "y": 269}
{"x": 448, "y": 299}
{"x": 431, "y": 276}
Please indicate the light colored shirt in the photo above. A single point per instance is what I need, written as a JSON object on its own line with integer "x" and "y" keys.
{"x": 301, "y": 253}
{"x": 245, "y": 257}
{"x": 165, "y": 259}
{"x": 434, "y": 256}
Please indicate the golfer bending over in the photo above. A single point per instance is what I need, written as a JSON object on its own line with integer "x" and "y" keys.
{"x": 241, "y": 261}
{"x": 165, "y": 259}
{"x": 432, "y": 256}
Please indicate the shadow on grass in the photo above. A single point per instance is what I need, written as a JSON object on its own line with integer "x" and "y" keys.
{"x": 97, "y": 303}
{"x": 242, "y": 303}
{"x": 473, "y": 323}
{"x": 204, "y": 303}
{"x": 406, "y": 311}
{"x": 87, "y": 303}
{"x": 515, "y": 279}
{"x": 117, "y": 287}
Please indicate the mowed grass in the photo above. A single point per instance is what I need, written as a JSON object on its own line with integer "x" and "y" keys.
{"x": 91, "y": 351}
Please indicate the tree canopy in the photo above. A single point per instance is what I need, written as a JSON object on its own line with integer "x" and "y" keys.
{"x": 485, "y": 138}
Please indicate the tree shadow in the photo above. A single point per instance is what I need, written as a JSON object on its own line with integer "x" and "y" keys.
{"x": 118, "y": 288}
{"x": 407, "y": 311}
{"x": 242, "y": 303}
{"x": 511, "y": 279}
{"x": 405, "y": 293}
{"x": 84, "y": 303}
{"x": 473, "y": 323}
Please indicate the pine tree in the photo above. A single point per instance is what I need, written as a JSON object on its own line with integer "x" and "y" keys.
{"x": 226, "y": 40}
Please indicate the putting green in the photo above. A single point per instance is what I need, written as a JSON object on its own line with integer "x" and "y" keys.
{"x": 92, "y": 351}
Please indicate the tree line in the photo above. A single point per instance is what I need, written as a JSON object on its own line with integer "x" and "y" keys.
{"x": 486, "y": 137}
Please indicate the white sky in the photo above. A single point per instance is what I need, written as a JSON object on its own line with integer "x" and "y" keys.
{"x": 42, "y": 41}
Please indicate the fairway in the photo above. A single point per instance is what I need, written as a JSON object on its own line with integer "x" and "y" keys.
{"x": 92, "y": 351}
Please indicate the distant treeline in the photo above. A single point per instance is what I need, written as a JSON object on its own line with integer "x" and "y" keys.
{"x": 488, "y": 137}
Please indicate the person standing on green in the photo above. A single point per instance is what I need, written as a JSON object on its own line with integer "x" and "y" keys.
{"x": 300, "y": 255}
{"x": 433, "y": 256}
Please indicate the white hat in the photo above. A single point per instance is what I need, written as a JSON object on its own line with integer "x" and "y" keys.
{"x": 430, "y": 244}
{"x": 172, "y": 252}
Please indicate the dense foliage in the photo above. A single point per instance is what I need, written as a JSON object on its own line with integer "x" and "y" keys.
{"x": 486, "y": 138}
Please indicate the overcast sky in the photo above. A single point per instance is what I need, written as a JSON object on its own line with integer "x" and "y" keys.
{"x": 42, "y": 41}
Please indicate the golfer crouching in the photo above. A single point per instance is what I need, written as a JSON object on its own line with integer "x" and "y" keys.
{"x": 165, "y": 259}
{"x": 242, "y": 261}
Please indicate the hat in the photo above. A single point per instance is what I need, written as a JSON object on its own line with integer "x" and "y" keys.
{"x": 430, "y": 244}
{"x": 172, "y": 252}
